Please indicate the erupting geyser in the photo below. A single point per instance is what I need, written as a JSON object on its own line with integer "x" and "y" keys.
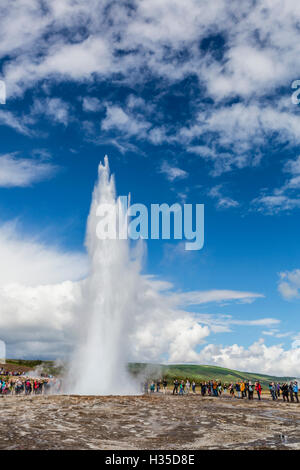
{"x": 99, "y": 364}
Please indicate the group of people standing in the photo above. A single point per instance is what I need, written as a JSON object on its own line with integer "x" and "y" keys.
{"x": 289, "y": 391}
{"x": 240, "y": 389}
{"x": 246, "y": 389}
{"x": 28, "y": 386}
{"x": 216, "y": 388}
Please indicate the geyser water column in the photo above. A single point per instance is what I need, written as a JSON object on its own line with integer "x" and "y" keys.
{"x": 99, "y": 363}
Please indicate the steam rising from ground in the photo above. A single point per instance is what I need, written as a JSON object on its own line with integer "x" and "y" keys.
{"x": 99, "y": 365}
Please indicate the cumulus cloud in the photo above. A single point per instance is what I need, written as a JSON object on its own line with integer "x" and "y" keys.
{"x": 30, "y": 262}
{"x": 38, "y": 294}
{"x": 239, "y": 57}
{"x": 21, "y": 172}
{"x": 258, "y": 357}
{"x": 152, "y": 37}
{"x": 235, "y": 135}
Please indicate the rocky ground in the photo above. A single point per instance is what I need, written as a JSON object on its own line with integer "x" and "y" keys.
{"x": 147, "y": 422}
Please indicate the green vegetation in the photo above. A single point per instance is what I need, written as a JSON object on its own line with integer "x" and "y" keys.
{"x": 200, "y": 373}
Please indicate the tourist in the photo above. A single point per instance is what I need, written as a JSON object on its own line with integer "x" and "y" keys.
{"x": 250, "y": 391}
{"x": 28, "y": 387}
{"x": 272, "y": 388}
{"x": 285, "y": 392}
{"x": 243, "y": 391}
{"x": 258, "y": 389}
{"x": 291, "y": 391}
{"x": 187, "y": 387}
{"x": 152, "y": 387}
{"x": 246, "y": 388}
{"x": 194, "y": 386}
{"x": 295, "y": 390}
{"x": 165, "y": 384}
{"x": 175, "y": 389}
{"x": 181, "y": 388}
{"x": 238, "y": 389}
{"x": 278, "y": 390}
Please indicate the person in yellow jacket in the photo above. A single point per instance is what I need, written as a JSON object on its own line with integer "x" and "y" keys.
{"x": 243, "y": 389}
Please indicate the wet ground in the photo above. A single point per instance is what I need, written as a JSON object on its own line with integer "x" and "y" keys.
{"x": 147, "y": 422}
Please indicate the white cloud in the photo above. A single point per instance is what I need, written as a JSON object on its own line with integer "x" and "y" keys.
{"x": 135, "y": 43}
{"x": 214, "y": 295}
{"x": 172, "y": 172}
{"x": 30, "y": 262}
{"x": 284, "y": 198}
{"x": 273, "y": 204}
{"x": 289, "y": 284}
{"x": 91, "y": 104}
{"x": 223, "y": 202}
{"x": 23, "y": 172}
{"x": 9, "y": 119}
{"x": 54, "y": 108}
{"x": 258, "y": 322}
{"x": 222, "y": 323}
{"x": 152, "y": 38}
{"x": 231, "y": 133}
{"x": 296, "y": 341}
{"x": 276, "y": 333}
{"x": 38, "y": 294}
{"x": 121, "y": 120}
{"x": 259, "y": 357}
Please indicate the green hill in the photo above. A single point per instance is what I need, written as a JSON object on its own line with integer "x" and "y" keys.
{"x": 200, "y": 373}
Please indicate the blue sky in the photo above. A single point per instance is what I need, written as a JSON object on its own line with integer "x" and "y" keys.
{"x": 192, "y": 103}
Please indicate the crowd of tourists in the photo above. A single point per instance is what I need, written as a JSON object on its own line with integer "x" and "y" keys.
{"x": 19, "y": 385}
{"x": 13, "y": 373}
{"x": 215, "y": 388}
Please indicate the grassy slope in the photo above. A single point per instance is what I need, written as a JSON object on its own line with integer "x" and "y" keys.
{"x": 202, "y": 373}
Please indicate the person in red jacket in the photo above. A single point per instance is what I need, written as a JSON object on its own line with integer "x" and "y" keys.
{"x": 258, "y": 389}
